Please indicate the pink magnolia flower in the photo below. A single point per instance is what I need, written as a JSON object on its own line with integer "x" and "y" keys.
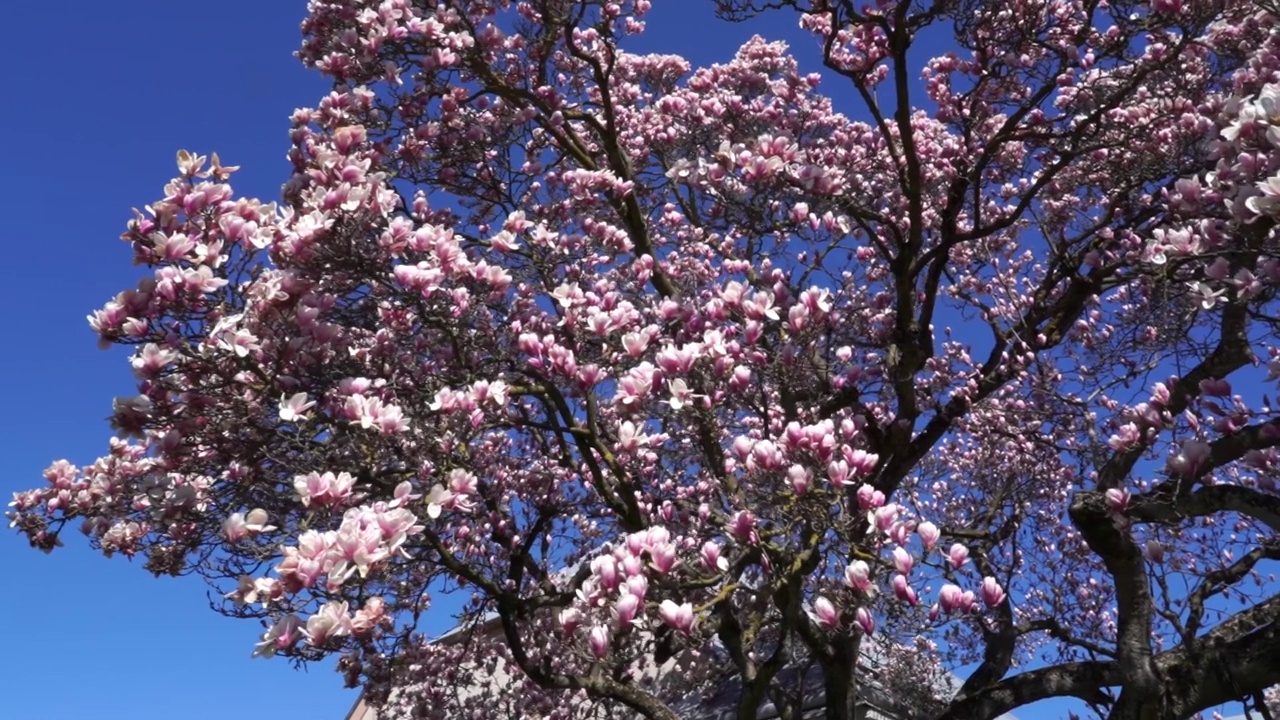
{"x": 599, "y": 639}
{"x": 825, "y": 613}
{"x": 326, "y": 490}
{"x": 929, "y": 534}
{"x": 798, "y": 476}
{"x": 368, "y": 617}
{"x": 250, "y": 590}
{"x": 883, "y": 518}
{"x": 1127, "y": 436}
{"x": 237, "y": 527}
{"x": 283, "y": 635}
{"x": 861, "y": 462}
{"x": 437, "y": 500}
{"x": 605, "y": 569}
{"x": 1117, "y": 500}
{"x": 958, "y": 555}
{"x": 902, "y": 560}
{"x": 1154, "y": 551}
{"x": 949, "y": 598}
{"x": 858, "y": 575}
{"x": 569, "y": 620}
{"x": 403, "y": 495}
{"x": 295, "y": 407}
{"x": 900, "y": 532}
{"x": 663, "y": 558}
{"x": 863, "y": 617}
{"x": 635, "y": 343}
{"x": 712, "y": 558}
{"x": 869, "y": 498}
{"x": 992, "y": 593}
{"x": 331, "y": 622}
{"x": 1193, "y": 455}
{"x": 904, "y": 591}
{"x": 742, "y": 527}
{"x": 624, "y": 611}
{"x": 637, "y": 585}
{"x": 679, "y": 617}
{"x": 838, "y": 472}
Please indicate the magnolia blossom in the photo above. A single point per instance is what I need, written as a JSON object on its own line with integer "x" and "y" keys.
{"x": 863, "y": 618}
{"x": 239, "y": 526}
{"x": 598, "y": 638}
{"x": 324, "y": 488}
{"x": 331, "y": 622}
{"x": 283, "y": 635}
{"x": 992, "y": 593}
{"x": 825, "y": 613}
{"x": 569, "y": 620}
{"x": 902, "y": 560}
{"x": 712, "y": 557}
{"x": 929, "y": 534}
{"x": 1117, "y": 499}
{"x": 858, "y": 575}
{"x": 949, "y": 598}
{"x": 677, "y": 616}
{"x": 295, "y": 407}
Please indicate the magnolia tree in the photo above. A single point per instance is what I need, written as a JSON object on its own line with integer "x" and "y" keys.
{"x": 679, "y": 380}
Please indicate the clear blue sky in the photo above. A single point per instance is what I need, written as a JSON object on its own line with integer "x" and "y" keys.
{"x": 98, "y": 98}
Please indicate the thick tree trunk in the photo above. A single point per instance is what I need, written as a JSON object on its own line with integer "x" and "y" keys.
{"x": 1134, "y": 705}
{"x": 840, "y": 682}
{"x": 842, "y": 694}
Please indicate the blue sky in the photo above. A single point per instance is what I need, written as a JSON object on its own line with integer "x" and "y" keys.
{"x": 100, "y": 96}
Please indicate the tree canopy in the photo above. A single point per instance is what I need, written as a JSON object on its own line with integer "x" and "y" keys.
{"x": 965, "y": 349}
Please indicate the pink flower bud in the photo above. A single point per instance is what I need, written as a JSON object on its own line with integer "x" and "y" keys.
{"x": 958, "y": 556}
{"x": 637, "y": 585}
{"x": 624, "y": 611}
{"x": 825, "y": 613}
{"x": 858, "y": 575}
{"x": 902, "y": 560}
{"x": 569, "y": 619}
{"x": 863, "y": 618}
{"x": 992, "y": 593}
{"x": 743, "y": 526}
{"x": 869, "y": 497}
{"x": 838, "y": 473}
{"x": 711, "y": 557}
{"x": 949, "y": 598}
{"x": 799, "y": 478}
{"x": 678, "y": 617}
{"x": 606, "y": 569}
{"x": 900, "y": 532}
{"x": 1154, "y": 551}
{"x": 904, "y": 591}
{"x": 598, "y": 638}
{"x": 883, "y": 518}
{"x": 1117, "y": 500}
{"x": 929, "y": 534}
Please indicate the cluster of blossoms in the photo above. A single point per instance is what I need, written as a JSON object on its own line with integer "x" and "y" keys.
{"x": 655, "y": 367}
